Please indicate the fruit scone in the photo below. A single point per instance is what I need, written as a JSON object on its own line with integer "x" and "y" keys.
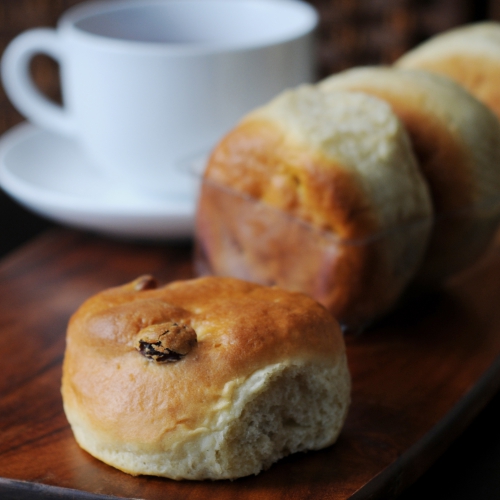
{"x": 318, "y": 192}
{"x": 210, "y": 378}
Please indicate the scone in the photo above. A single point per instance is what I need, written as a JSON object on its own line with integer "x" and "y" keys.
{"x": 317, "y": 192}
{"x": 457, "y": 142}
{"x": 211, "y": 378}
{"x": 470, "y": 55}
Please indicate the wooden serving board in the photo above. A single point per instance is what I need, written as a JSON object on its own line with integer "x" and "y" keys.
{"x": 418, "y": 379}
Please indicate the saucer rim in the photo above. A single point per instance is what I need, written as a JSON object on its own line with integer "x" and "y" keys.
{"x": 24, "y": 190}
{"x": 175, "y": 219}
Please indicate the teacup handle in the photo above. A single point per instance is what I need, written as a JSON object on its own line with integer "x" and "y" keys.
{"x": 20, "y": 87}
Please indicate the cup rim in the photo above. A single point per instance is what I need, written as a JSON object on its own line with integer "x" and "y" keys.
{"x": 69, "y": 19}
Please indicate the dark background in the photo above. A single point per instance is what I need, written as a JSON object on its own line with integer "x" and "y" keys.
{"x": 351, "y": 33}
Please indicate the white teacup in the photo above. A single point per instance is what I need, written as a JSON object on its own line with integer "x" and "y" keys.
{"x": 148, "y": 83}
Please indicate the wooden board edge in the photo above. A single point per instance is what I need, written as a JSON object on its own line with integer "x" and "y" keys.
{"x": 14, "y": 489}
{"x": 418, "y": 458}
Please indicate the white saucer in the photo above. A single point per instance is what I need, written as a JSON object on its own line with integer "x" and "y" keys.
{"x": 50, "y": 175}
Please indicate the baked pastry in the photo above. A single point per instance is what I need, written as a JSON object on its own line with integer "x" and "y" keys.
{"x": 210, "y": 378}
{"x": 470, "y": 55}
{"x": 306, "y": 192}
{"x": 457, "y": 142}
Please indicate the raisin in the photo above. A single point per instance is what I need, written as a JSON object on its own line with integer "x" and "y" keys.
{"x": 145, "y": 282}
{"x": 166, "y": 342}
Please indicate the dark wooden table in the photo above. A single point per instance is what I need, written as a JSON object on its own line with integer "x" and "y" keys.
{"x": 420, "y": 378}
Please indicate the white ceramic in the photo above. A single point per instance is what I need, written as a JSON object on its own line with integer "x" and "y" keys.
{"x": 146, "y": 83}
{"x": 50, "y": 175}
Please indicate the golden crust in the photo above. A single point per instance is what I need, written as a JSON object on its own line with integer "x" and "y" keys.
{"x": 257, "y": 158}
{"x": 125, "y": 401}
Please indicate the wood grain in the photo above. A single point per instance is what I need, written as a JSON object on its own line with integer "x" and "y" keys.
{"x": 418, "y": 379}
